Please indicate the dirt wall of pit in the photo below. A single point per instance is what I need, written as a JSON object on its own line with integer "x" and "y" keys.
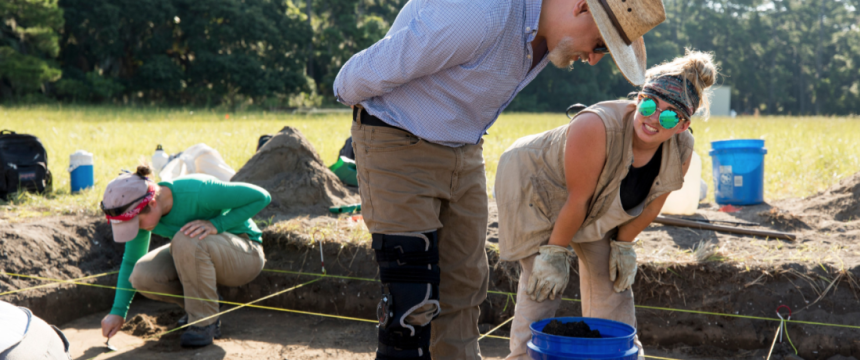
{"x": 76, "y": 247}
{"x": 709, "y": 287}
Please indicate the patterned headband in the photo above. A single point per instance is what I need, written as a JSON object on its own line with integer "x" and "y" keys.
{"x": 130, "y": 214}
{"x": 670, "y": 89}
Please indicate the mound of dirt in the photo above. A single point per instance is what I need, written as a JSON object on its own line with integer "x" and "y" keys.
{"x": 840, "y": 202}
{"x": 289, "y": 167}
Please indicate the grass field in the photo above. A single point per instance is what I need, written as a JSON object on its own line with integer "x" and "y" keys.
{"x": 805, "y": 154}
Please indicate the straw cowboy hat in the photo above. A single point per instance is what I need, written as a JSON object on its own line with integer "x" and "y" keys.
{"x": 622, "y": 24}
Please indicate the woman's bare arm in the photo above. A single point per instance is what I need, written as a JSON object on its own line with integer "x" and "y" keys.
{"x": 584, "y": 157}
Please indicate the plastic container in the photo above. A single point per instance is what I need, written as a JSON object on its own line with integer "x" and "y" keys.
{"x": 617, "y": 342}
{"x": 738, "y": 171}
{"x": 344, "y": 209}
{"x": 159, "y": 159}
{"x": 685, "y": 201}
{"x": 81, "y": 170}
{"x": 197, "y": 159}
{"x": 345, "y": 170}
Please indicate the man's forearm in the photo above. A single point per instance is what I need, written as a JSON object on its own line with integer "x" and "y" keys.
{"x": 347, "y": 95}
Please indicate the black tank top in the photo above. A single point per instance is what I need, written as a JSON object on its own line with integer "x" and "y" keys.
{"x": 637, "y": 184}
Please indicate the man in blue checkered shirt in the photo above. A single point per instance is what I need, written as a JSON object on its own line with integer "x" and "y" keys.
{"x": 422, "y": 98}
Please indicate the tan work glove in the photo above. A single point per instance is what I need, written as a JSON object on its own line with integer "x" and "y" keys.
{"x": 549, "y": 273}
{"x": 622, "y": 260}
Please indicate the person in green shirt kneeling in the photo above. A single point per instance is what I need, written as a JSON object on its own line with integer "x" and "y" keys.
{"x": 214, "y": 242}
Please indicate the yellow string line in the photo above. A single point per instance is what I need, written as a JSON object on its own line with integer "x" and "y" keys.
{"x": 341, "y": 317}
{"x": 776, "y": 335}
{"x": 316, "y": 274}
{"x": 638, "y": 306}
{"x": 495, "y": 328}
{"x": 491, "y": 292}
{"x": 235, "y": 308}
{"x": 116, "y": 288}
{"x": 46, "y": 285}
{"x": 251, "y": 304}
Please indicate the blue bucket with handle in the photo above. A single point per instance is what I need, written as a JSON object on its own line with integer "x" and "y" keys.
{"x": 738, "y": 171}
{"x": 617, "y": 341}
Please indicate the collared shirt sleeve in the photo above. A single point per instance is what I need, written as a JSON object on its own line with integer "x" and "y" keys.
{"x": 440, "y": 34}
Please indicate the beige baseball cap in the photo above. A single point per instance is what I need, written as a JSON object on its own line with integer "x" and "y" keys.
{"x": 120, "y": 203}
{"x": 622, "y": 24}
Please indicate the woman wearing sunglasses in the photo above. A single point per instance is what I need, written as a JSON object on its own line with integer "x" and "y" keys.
{"x": 594, "y": 185}
{"x": 214, "y": 242}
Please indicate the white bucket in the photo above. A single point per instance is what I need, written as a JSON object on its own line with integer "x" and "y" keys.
{"x": 686, "y": 200}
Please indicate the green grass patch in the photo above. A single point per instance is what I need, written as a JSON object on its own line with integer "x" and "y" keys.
{"x": 805, "y": 154}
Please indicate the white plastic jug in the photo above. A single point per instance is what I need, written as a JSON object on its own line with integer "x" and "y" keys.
{"x": 159, "y": 159}
{"x": 685, "y": 201}
{"x": 198, "y": 159}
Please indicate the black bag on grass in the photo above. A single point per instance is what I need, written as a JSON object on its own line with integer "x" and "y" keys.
{"x": 23, "y": 164}
{"x": 346, "y": 150}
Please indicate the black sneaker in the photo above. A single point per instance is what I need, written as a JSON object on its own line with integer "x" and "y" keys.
{"x": 184, "y": 319}
{"x": 197, "y": 336}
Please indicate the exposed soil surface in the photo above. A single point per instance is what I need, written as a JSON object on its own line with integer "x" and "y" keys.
{"x": 289, "y": 167}
{"x": 577, "y": 329}
{"x": 680, "y": 268}
{"x": 144, "y": 325}
{"x": 261, "y": 334}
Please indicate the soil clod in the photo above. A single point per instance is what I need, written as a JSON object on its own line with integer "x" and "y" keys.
{"x": 147, "y": 325}
{"x": 577, "y": 329}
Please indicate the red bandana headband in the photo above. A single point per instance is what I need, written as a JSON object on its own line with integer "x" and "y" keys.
{"x": 128, "y": 215}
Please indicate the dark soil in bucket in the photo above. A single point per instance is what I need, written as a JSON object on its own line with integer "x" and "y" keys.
{"x": 577, "y": 329}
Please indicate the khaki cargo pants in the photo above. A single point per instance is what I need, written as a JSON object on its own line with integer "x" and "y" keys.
{"x": 194, "y": 268}
{"x": 410, "y": 185}
{"x": 599, "y": 299}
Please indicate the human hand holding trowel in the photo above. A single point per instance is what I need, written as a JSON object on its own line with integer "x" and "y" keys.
{"x": 111, "y": 324}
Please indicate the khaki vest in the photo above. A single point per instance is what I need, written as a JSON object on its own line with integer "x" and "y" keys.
{"x": 530, "y": 187}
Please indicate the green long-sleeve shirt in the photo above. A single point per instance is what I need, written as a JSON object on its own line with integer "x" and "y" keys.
{"x": 229, "y": 206}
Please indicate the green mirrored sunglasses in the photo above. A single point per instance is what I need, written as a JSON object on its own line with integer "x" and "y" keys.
{"x": 668, "y": 118}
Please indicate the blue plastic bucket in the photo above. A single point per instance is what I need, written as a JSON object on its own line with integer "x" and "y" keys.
{"x": 738, "y": 171}
{"x": 617, "y": 342}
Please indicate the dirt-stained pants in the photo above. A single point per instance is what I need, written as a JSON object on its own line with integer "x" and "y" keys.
{"x": 410, "y": 185}
{"x": 599, "y": 299}
{"x": 194, "y": 268}
{"x": 41, "y": 341}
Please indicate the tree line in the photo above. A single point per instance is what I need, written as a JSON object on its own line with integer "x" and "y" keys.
{"x": 778, "y": 56}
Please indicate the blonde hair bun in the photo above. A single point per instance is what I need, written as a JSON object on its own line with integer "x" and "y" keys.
{"x": 697, "y": 67}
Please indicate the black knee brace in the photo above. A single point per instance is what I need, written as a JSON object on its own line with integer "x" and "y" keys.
{"x": 409, "y": 270}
